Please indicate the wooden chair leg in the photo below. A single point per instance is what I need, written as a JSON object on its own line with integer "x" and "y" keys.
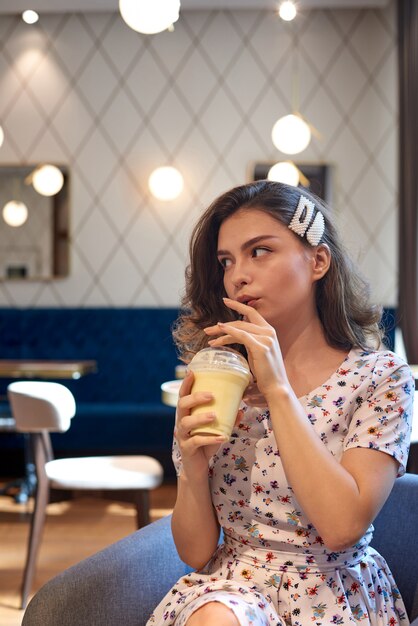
{"x": 35, "y": 535}
{"x": 142, "y": 503}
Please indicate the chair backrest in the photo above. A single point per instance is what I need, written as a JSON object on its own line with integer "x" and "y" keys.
{"x": 38, "y": 406}
{"x": 396, "y": 538}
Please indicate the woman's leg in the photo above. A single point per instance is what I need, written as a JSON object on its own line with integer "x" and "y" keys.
{"x": 213, "y": 613}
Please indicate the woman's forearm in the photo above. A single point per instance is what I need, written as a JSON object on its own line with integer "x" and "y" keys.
{"x": 194, "y": 524}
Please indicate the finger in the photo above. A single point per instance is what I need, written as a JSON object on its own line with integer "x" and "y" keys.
{"x": 199, "y": 441}
{"x": 249, "y": 327}
{"x": 188, "y": 402}
{"x": 189, "y": 422}
{"x": 239, "y": 417}
{"x": 187, "y": 384}
{"x": 243, "y": 309}
{"x": 224, "y": 340}
{"x": 237, "y": 335}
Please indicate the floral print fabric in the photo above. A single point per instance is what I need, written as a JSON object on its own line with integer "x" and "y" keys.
{"x": 273, "y": 567}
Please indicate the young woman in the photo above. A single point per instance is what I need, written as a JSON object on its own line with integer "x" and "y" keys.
{"x": 322, "y": 433}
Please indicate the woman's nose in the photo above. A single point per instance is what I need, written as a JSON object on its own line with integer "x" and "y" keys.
{"x": 240, "y": 275}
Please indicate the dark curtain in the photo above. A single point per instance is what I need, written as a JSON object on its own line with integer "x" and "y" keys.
{"x": 408, "y": 175}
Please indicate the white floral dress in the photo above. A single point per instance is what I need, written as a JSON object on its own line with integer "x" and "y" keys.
{"x": 273, "y": 567}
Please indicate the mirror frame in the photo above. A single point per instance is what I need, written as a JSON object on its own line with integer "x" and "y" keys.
{"x": 60, "y": 222}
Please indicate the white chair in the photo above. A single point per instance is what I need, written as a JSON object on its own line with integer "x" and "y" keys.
{"x": 43, "y": 407}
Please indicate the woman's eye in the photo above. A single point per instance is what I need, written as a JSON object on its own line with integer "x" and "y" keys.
{"x": 225, "y": 262}
{"x": 259, "y": 251}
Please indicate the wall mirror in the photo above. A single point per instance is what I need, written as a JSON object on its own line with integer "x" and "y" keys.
{"x": 34, "y": 222}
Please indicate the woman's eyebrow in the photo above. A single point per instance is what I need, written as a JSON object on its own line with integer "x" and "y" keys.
{"x": 250, "y": 242}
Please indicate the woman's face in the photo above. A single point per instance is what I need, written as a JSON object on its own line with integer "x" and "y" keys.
{"x": 267, "y": 267}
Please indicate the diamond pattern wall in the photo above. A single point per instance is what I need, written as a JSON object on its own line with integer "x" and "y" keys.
{"x": 86, "y": 91}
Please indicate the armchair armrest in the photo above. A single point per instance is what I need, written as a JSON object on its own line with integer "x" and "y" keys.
{"x": 119, "y": 585}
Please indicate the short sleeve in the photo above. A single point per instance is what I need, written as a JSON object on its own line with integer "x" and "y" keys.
{"x": 383, "y": 417}
{"x": 176, "y": 456}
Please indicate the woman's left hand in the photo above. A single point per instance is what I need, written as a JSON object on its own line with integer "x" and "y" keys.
{"x": 260, "y": 340}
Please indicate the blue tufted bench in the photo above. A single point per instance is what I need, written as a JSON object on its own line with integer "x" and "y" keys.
{"x": 119, "y": 408}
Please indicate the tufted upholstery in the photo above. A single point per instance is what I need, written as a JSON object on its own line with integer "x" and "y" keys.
{"x": 119, "y": 409}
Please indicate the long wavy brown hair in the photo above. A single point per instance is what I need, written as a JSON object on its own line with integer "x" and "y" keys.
{"x": 342, "y": 295}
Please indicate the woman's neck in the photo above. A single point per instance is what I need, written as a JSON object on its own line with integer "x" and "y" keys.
{"x": 301, "y": 338}
{"x": 308, "y": 358}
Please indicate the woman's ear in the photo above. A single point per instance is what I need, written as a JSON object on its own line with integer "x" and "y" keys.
{"x": 321, "y": 260}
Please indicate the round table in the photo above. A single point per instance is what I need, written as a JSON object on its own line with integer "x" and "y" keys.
{"x": 170, "y": 392}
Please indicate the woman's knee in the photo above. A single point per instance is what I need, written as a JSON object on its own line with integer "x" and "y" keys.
{"x": 213, "y": 613}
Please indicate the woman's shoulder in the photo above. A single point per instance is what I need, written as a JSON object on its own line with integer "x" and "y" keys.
{"x": 380, "y": 362}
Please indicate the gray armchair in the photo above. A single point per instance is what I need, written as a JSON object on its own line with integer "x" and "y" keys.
{"x": 120, "y": 585}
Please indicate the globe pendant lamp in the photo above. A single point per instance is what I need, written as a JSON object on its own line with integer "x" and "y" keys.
{"x": 149, "y": 16}
{"x": 166, "y": 183}
{"x": 291, "y": 134}
{"x": 284, "y": 172}
{"x": 1, "y": 136}
{"x": 47, "y": 180}
{"x": 15, "y": 213}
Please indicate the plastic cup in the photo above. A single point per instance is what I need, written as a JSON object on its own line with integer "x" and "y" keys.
{"x": 226, "y": 374}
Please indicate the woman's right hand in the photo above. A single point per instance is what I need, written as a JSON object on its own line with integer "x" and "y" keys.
{"x": 196, "y": 450}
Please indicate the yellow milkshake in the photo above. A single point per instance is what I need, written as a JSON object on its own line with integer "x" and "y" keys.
{"x": 226, "y": 374}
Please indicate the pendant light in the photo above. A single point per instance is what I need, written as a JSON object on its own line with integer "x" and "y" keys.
{"x": 284, "y": 172}
{"x": 1, "y": 136}
{"x": 149, "y": 16}
{"x": 287, "y": 172}
{"x": 291, "y": 133}
{"x": 166, "y": 183}
{"x": 15, "y": 213}
{"x": 287, "y": 10}
{"x": 30, "y": 17}
{"x": 47, "y": 180}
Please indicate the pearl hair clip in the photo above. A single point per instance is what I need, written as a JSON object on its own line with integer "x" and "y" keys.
{"x": 301, "y": 220}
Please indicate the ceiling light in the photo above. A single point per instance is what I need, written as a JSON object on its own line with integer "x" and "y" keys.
{"x": 30, "y": 17}
{"x": 15, "y": 213}
{"x": 284, "y": 172}
{"x": 1, "y": 136}
{"x": 149, "y": 16}
{"x": 166, "y": 183}
{"x": 291, "y": 134}
{"x": 287, "y": 10}
{"x": 47, "y": 180}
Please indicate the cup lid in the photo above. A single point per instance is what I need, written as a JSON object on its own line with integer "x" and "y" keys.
{"x": 219, "y": 358}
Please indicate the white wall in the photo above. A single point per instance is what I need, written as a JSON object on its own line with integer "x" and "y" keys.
{"x": 87, "y": 91}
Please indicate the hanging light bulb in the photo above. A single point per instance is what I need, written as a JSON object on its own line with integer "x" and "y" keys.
{"x": 166, "y": 183}
{"x": 284, "y": 172}
{"x": 30, "y": 17}
{"x": 15, "y": 213}
{"x": 1, "y": 136}
{"x": 287, "y": 10}
{"x": 47, "y": 180}
{"x": 149, "y": 16}
{"x": 291, "y": 134}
